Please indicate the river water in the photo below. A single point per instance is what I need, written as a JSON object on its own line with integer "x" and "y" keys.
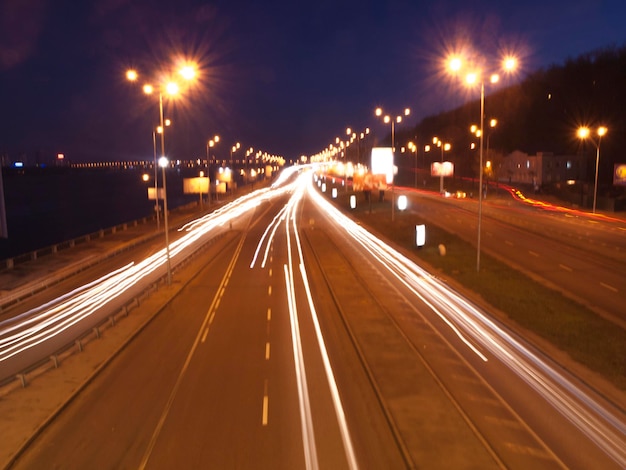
{"x": 45, "y": 206}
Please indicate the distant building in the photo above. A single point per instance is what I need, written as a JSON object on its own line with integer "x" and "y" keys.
{"x": 545, "y": 168}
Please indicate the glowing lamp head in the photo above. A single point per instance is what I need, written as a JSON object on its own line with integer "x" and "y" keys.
{"x": 188, "y": 72}
{"x": 509, "y": 63}
{"x": 132, "y": 75}
{"x": 454, "y": 64}
{"x": 163, "y": 162}
{"x": 172, "y": 88}
{"x": 583, "y": 132}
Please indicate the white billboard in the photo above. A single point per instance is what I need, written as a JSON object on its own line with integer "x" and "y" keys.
{"x": 442, "y": 169}
{"x": 382, "y": 163}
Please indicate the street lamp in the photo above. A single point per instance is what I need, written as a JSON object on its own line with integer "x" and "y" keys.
{"x": 413, "y": 148}
{"x": 508, "y": 65}
{"x": 171, "y": 89}
{"x": 232, "y": 150}
{"x": 210, "y": 144}
{"x": 358, "y": 136}
{"x": 478, "y": 133}
{"x": 157, "y": 130}
{"x": 163, "y": 162}
{"x": 584, "y": 133}
{"x": 156, "y": 185}
{"x": 387, "y": 119}
{"x": 249, "y": 152}
{"x": 444, "y": 147}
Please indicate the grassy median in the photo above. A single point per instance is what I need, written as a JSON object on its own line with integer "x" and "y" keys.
{"x": 574, "y": 329}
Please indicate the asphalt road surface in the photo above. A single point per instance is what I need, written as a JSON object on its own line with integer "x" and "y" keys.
{"x": 304, "y": 343}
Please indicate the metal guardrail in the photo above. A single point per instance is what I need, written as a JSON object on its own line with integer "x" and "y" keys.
{"x": 77, "y": 345}
{"x": 32, "y": 288}
{"x": 54, "y": 360}
{"x": 10, "y": 263}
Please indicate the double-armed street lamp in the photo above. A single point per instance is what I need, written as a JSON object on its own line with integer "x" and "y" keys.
{"x": 233, "y": 149}
{"x": 478, "y": 133}
{"x": 170, "y": 88}
{"x": 413, "y": 148}
{"x": 210, "y": 144}
{"x": 584, "y": 133}
{"x": 388, "y": 119}
{"x": 474, "y": 76}
{"x": 445, "y": 147}
{"x": 358, "y": 136}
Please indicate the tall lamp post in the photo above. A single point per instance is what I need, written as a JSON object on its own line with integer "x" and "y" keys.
{"x": 164, "y": 162}
{"x": 249, "y": 152}
{"x": 387, "y": 119}
{"x": 171, "y": 88}
{"x": 413, "y": 148}
{"x": 233, "y": 149}
{"x": 232, "y": 171}
{"x": 479, "y": 133}
{"x": 210, "y": 144}
{"x": 444, "y": 147}
{"x": 455, "y": 64}
{"x": 358, "y": 137}
{"x": 156, "y": 183}
{"x": 584, "y": 133}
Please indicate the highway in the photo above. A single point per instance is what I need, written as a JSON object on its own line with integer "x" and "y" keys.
{"x": 304, "y": 342}
{"x": 579, "y": 254}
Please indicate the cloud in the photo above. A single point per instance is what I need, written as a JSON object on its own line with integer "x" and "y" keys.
{"x": 21, "y": 24}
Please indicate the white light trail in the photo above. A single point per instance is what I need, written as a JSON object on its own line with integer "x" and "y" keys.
{"x": 288, "y": 215}
{"x": 594, "y": 420}
{"x": 22, "y": 333}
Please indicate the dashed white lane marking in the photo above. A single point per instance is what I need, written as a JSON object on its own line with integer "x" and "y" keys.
{"x": 266, "y": 403}
{"x": 609, "y": 287}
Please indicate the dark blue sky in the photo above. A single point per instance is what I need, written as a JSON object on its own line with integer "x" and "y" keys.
{"x": 282, "y": 76}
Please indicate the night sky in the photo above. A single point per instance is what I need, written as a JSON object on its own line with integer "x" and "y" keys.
{"x": 286, "y": 77}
